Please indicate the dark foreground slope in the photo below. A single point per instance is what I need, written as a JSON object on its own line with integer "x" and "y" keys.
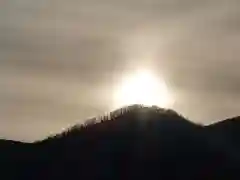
{"x": 132, "y": 143}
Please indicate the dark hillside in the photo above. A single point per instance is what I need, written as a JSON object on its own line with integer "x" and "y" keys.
{"x": 135, "y": 142}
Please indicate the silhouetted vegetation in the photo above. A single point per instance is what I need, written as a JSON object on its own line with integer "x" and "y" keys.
{"x": 135, "y": 142}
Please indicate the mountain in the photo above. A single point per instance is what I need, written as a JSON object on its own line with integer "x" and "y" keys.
{"x": 228, "y": 131}
{"x": 134, "y": 142}
{"x": 229, "y": 127}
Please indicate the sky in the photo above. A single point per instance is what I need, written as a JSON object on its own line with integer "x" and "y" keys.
{"x": 61, "y": 61}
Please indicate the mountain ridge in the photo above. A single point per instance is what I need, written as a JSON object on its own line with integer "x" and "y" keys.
{"x": 135, "y": 142}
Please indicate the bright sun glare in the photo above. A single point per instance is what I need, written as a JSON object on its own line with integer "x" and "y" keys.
{"x": 143, "y": 87}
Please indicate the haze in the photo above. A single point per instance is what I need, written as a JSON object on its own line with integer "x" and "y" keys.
{"x": 60, "y": 61}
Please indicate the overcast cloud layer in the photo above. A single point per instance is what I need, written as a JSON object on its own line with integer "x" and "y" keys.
{"x": 60, "y": 60}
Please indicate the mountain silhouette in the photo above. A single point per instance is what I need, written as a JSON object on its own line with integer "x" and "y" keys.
{"x": 229, "y": 132}
{"x": 135, "y": 142}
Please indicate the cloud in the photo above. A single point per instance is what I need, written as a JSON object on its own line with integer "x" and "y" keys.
{"x": 59, "y": 60}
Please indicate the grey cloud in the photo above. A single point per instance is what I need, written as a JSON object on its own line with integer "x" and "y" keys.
{"x": 60, "y": 60}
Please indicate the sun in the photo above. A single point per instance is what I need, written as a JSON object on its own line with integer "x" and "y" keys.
{"x": 143, "y": 87}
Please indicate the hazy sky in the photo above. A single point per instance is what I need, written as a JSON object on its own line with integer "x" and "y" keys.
{"x": 60, "y": 60}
